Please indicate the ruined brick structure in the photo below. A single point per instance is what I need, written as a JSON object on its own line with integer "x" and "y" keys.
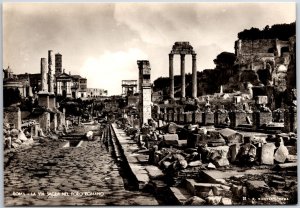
{"x": 145, "y": 89}
{"x": 271, "y": 55}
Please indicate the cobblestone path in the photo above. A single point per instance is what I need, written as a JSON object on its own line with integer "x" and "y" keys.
{"x": 49, "y": 174}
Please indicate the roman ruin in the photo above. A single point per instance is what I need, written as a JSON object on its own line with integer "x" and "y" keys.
{"x": 223, "y": 135}
{"x": 183, "y": 48}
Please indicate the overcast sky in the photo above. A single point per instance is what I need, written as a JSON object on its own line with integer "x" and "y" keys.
{"x": 103, "y": 42}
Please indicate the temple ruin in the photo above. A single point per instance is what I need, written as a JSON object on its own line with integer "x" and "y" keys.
{"x": 183, "y": 48}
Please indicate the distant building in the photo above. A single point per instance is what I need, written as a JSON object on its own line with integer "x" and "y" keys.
{"x": 96, "y": 92}
{"x": 73, "y": 86}
{"x": 129, "y": 87}
{"x": 58, "y": 64}
{"x": 12, "y": 81}
{"x": 66, "y": 85}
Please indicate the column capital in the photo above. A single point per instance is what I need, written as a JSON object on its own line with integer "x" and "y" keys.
{"x": 182, "y": 56}
{"x": 194, "y": 55}
{"x": 171, "y": 55}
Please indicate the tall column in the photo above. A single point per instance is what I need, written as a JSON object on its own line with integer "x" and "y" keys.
{"x": 171, "y": 75}
{"x": 182, "y": 69}
{"x": 44, "y": 86}
{"x": 194, "y": 75}
{"x": 51, "y": 71}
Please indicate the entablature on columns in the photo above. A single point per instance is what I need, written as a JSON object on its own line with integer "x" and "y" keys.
{"x": 182, "y": 48}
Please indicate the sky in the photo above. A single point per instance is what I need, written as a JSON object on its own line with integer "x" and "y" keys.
{"x": 103, "y": 41}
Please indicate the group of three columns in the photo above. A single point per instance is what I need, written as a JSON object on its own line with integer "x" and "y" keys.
{"x": 182, "y": 70}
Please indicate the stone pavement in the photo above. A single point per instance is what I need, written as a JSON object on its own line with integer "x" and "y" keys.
{"x": 48, "y": 174}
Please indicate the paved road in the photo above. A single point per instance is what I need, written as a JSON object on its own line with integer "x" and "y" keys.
{"x": 86, "y": 175}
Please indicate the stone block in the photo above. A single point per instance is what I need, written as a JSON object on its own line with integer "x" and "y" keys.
{"x": 267, "y": 154}
{"x": 211, "y": 166}
{"x": 226, "y": 201}
{"x": 237, "y": 190}
{"x": 180, "y": 195}
{"x": 223, "y": 161}
{"x": 233, "y": 152}
{"x": 195, "y": 201}
{"x": 43, "y": 99}
{"x": 182, "y": 143}
{"x": 197, "y": 117}
{"x": 188, "y": 118}
{"x": 213, "y": 200}
{"x": 208, "y": 118}
{"x": 154, "y": 172}
{"x": 170, "y": 139}
{"x": 190, "y": 185}
{"x": 281, "y": 154}
{"x": 181, "y": 118}
{"x": 220, "y": 117}
{"x": 237, "y": 118}
{"x": 277, "y": 184}
{"x": 175, "y": 118}
{"x": 255, "y": 188}
{"x": 261, "y": 118}
{"x": 262, "y": 100}
{"x": 52, "y": 101}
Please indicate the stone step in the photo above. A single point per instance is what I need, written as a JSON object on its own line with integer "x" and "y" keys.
{"x": 180, "y": 195}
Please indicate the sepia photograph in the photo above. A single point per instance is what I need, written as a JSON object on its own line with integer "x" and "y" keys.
{"x": 149, "y": 104}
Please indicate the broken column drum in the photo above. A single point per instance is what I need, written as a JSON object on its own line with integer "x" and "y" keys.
{"x": 183, "y": 48}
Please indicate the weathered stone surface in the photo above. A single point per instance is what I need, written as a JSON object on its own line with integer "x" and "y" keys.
{"x": 213, "y": 200}
{"x": 194, "y": 201}
{"x": 257, "y": 186}
{"x": 267, "y": 154}
{"x": 237, "y": 190}
{"x": 195, "y": 163}
{"x": 171, "y": 139}
{"x": 154, "y": 172}
{"x": 281, "y": 154}
{"x": 223, "y": 161}
{"x": 211, "y": 166}
{"x": 226, "y": 201}
{"x": 233, "y": 152}
{"x": 277, "y": 184}
{"x": 180, "y": 195}
{"x": 49, "y": 168}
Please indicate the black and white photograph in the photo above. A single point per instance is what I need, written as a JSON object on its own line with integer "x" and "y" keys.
{"x": 165, "y": 103}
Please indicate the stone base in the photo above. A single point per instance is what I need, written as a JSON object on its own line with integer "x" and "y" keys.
{"x": 43, "y": 99}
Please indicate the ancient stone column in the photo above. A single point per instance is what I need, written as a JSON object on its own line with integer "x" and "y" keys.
{"x": 44, "y": 86}
{"x": 51, "y": 71}
{"x": 171, "y": 75}
{"x": 182, "y": 69}
{"x": 194, "y": 76}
